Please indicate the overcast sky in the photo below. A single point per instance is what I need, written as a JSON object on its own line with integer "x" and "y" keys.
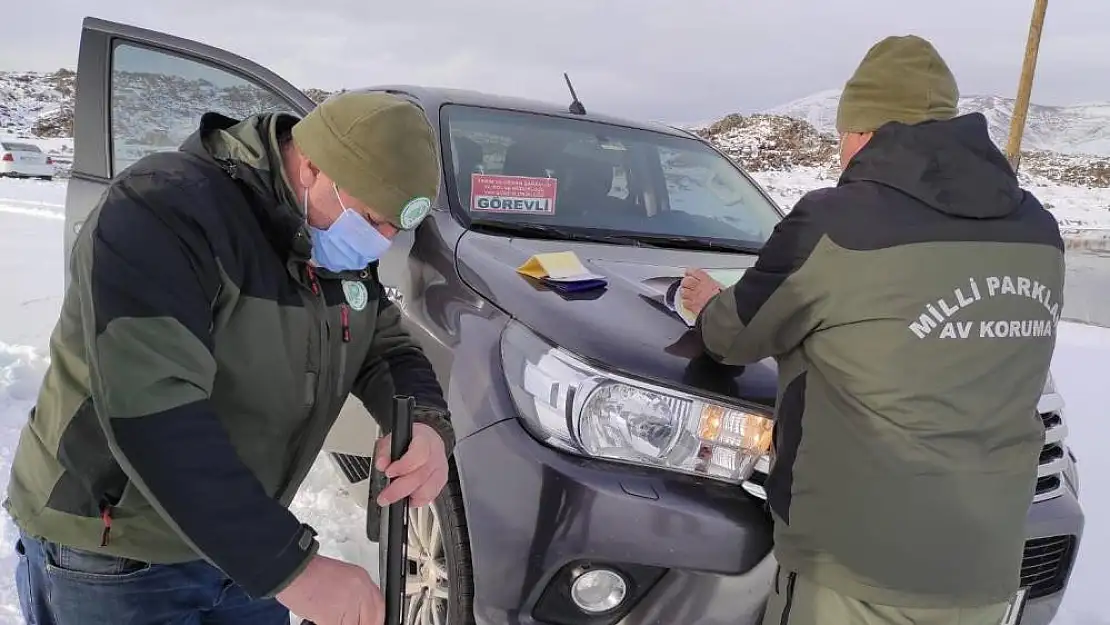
{"x": 673, "y": 60}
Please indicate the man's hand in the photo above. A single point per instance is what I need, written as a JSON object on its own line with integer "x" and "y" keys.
{"x": 696, "y": 289}
{"x": 332, "y": 592}
{"x": 419, "y": 474}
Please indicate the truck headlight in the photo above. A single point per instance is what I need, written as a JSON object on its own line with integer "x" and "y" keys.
{"x": 574, "y": 406}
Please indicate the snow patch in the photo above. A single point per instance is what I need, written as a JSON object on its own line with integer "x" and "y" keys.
{"x": 21, "y": 371}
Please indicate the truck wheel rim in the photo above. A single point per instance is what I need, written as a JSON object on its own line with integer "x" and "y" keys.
{"x": 427, "y": 589}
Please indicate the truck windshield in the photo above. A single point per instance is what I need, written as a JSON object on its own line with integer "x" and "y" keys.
{"x": 517, "y": 169}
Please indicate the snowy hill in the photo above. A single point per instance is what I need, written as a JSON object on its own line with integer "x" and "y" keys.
{"x": 40, "y": 106}
{"x": 1080, "y": 129}
{"x": 765, "y": 142}
{"x": 790, "y": 157}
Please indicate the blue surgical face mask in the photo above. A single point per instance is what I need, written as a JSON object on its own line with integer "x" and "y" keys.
{"x": 350, "y": 243}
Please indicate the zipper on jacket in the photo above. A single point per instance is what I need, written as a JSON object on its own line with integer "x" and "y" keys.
{"x": 312, "y": 378}
{"x": 345, "y": 321}
{"x": 324, "y": 327}
{"x": 106, "y": 518}
{"x": 313, "y": 283}
{"x": 320, "y": 390}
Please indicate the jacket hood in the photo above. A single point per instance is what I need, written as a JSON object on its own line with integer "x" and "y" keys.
{"x": 248, "y": 151}
{"x": 952, "y": 166}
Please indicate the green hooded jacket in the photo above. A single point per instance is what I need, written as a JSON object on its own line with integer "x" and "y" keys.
{"x": 912, "y": 310}
{"x": 199, "y": 362}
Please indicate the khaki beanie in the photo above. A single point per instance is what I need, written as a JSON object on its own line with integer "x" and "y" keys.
{"x": 378, "y": 148}
{"x": 901, "y": 79}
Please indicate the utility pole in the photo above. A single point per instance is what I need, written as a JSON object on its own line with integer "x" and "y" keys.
{"x": 1025, "y": 84}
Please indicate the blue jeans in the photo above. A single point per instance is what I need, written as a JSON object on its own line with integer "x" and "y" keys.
{"x": 60, "y": 585}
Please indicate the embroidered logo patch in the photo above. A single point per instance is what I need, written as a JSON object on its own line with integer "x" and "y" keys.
{"x": 356, "y": 294}
{"x": 414, "y": 212}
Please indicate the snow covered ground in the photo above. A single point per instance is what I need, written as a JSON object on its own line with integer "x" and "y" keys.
{"x": 1076, "y": 208}
{"x": 31, "y": 265}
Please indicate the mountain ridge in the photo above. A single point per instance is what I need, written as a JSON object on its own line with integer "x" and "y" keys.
{"x": 764, "y": 142}
{"x": 156, "y": 111}
{"x": 1067, "y": 129}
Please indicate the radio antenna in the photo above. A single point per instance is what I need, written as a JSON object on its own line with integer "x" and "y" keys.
{"x": 575, "y": 105}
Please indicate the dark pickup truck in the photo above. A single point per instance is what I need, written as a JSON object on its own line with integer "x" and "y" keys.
{"x": 604, "y": 471}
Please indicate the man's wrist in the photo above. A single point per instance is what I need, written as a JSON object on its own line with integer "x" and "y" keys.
{"x": 440, "y": 422}
{"x": 286, "y": 567}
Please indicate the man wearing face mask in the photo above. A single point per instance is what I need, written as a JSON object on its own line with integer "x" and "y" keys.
{"x": 223, "y": 305}
{"x": 912, "y": 311}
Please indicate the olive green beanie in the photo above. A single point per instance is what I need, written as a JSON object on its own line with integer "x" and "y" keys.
{"x": 378, "y": 148}
{"x": 901, "y": 79}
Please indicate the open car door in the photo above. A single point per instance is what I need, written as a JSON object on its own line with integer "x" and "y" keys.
{"x": 140, "y": 91}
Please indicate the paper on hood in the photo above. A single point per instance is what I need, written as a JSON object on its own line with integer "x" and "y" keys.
{"x": 724, "y": 277}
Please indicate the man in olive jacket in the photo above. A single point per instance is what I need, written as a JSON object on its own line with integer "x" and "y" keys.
{"x": 224, "y": 303}
{"x": 912, "y": 310}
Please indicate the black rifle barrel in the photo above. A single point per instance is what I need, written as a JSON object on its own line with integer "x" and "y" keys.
{"x": 397, "y": 520}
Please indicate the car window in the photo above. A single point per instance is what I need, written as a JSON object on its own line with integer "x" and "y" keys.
{"x": 19, "y": 147}
{"x": 157, "y": 100}
{"x": 520, "y": 167}
{"x": 702, "y": 183}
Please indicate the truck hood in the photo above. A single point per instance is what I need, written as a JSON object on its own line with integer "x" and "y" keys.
{"x": 623, "y": 327}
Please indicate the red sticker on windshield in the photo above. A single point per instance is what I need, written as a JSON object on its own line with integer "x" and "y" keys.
{"x": 517, "y": 195}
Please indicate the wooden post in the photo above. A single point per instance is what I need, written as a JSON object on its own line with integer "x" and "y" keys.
{"x": 1025, "y": 84}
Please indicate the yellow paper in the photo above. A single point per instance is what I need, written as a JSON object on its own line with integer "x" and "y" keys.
{"x": 555, "y": 265}
{"x": 687, "y": 315}
{"x": 724, "y": 277}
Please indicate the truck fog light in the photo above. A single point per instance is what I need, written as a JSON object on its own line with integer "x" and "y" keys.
{"x": 598, "y": 590}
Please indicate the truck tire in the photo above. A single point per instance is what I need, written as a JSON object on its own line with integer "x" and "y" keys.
{"x": 448, "y": 569}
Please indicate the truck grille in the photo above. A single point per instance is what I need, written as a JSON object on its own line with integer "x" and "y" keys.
{"x": 1046, "y": 564}
{"x": 1050, "y": 473}
{"x": 354, "y": 468}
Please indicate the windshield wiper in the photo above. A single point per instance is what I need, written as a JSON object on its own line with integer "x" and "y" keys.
{"x": 567, "y": 233}
{"x": 696, "y": 243}
{"x": 559, "y": 233}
